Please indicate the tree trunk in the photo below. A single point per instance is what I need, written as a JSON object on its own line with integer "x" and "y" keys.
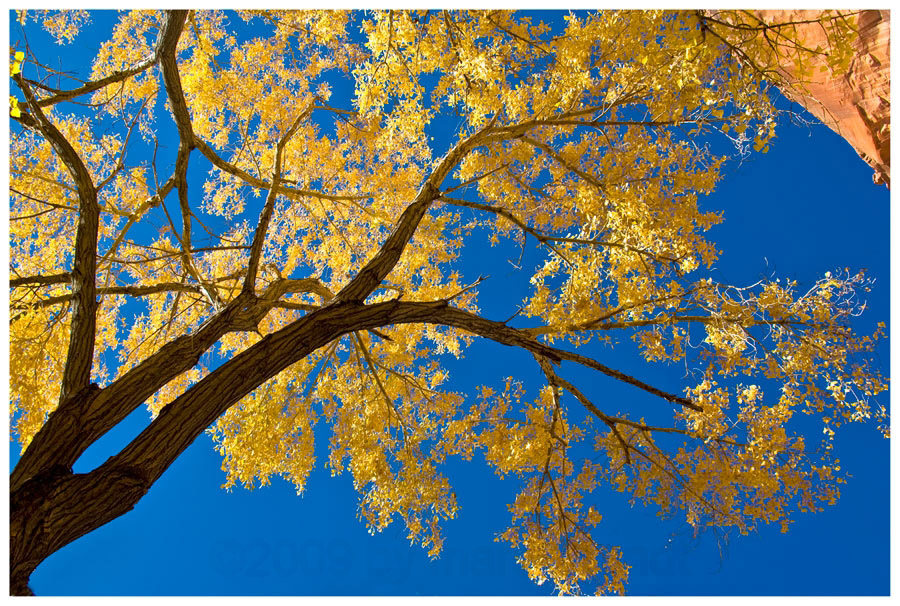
{"x": 53, "y": 509}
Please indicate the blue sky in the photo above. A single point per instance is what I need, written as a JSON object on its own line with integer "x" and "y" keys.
{"x": 806, "y": 207}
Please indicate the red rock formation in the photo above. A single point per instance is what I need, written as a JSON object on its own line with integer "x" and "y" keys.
{"x": 856, "y": 103}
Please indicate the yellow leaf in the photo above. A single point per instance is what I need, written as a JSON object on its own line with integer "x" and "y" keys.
{"x": 17, "y": 64}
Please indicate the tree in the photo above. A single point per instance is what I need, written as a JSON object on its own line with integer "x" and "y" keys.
{"x": 382, "y": 156}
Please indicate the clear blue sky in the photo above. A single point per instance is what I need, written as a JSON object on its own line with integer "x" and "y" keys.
{"x": 806, "y": 207}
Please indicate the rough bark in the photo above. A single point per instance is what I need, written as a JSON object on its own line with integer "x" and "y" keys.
{"x": 50, "y": 506}
{"x": 54, "y": 506}
{"x": 78, "y": 422}
{"x": 77, "y": 371}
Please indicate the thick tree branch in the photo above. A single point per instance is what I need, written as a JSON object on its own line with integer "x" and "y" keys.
{"x": 171, "y": 32}
{"x": 68, "y": 432}
{"x": 180, "y": 422}
{"x": 133, "y": 290}
{"x": 70, "y": 429}
{"x": 163, "y": 43}
{"x": 80, "y": 354}
{"x": 75, "y": 425}
{"x": 281, "y": 287}
{"x": 56, "y": 508}
{"x": 40, "y": 280}
{"x": 168, "y": 43}
{"x": 186, "y": 417}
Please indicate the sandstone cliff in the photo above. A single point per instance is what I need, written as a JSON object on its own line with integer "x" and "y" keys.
{"x": 855, "y": 103}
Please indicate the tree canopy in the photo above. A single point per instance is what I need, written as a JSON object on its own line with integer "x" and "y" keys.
{"x": 253, "y": 223}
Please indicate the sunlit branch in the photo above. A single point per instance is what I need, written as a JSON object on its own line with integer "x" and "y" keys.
{"x": 169, "y": 254}
{"x": 546, "y": 239}
{"x": 476, "y": 178}
{"x": 517, "y": 131}
{"x": 89, "y": 87}
{"x": 612, "y": 421}
{"x": 372, "y": 370}
{"x": 563, "y": 162}
{"x": 269, "y": 207}
{"x": 526, "y": 41}
{"x": 738, "y": 52}
{"x": 555, "y": 379}
{"x": 329, "y": 218}
{"x": 120, "y": 161}
{"x": 506, "y": 335}
{"x": 336, "y": 110}
{"x": 104, "y": 208}
{"x": 370, "y": 276}
{"x": 292, "y": 193}
{"x": 53, "y": 206}
{"x": 465, "y": 289}
{"x": 13, "y": 171}
{"x": 548, "y": 372}
{"x": 668, "y": 319}
{"x": 150, "y": 202}
{"x": 539, "y": 236}
{"x": 538, "y": 192}
{"x": 608, "y": 244}
{"x": 645, "y": 123}
{"x": 134, "y": 290}
{"x": 409, "y": 380}
{"x": 542, "y": 330}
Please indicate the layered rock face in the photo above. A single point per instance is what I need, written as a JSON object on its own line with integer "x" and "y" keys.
{"x": 857, "y": 103}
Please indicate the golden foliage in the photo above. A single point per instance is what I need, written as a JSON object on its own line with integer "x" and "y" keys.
{"x": 587, "y": 138}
